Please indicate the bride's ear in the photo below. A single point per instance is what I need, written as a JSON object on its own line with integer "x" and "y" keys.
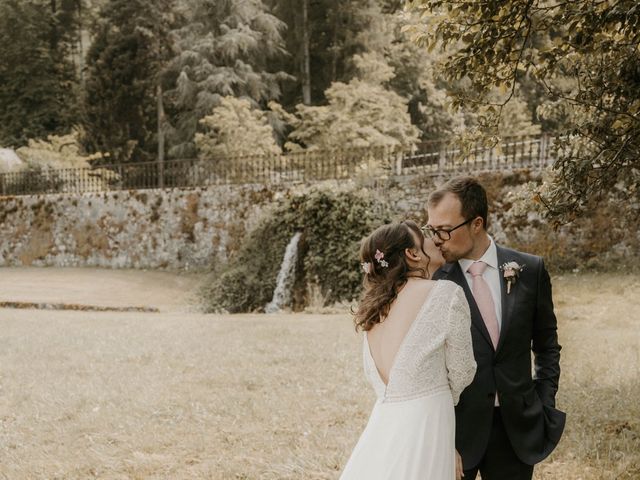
{"x": 412, "y": 254}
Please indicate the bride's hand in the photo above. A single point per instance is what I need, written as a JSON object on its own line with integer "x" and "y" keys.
{"x": 459, "y": 471}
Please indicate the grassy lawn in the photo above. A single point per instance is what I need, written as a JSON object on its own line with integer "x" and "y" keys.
{"x": 189, "y": 396}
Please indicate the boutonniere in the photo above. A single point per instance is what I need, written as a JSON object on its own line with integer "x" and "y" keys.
{"x": 511, "y": 272}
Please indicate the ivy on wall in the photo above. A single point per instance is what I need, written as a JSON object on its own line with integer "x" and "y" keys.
{"x": 332, "y": 223}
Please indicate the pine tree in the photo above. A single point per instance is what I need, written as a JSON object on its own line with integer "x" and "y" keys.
{"x": 37, "y": 97}
{"x": 225, "y": 49}
{"x": 124, "y": 64}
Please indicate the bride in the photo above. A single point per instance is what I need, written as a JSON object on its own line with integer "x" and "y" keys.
{"x": 418, "y": 358}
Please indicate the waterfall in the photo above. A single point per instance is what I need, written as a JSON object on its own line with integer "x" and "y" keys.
{"x": 284, "y": 283}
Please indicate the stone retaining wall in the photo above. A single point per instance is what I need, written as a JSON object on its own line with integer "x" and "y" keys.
{"x": 198, "y": 228}
{"x": 174, "y": 229}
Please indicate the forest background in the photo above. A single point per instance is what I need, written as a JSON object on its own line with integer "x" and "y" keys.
{"x": 133, "y": 81}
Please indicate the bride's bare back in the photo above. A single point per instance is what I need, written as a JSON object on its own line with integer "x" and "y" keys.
{"x": 385, "y": 338}
{"x": 425, "y": 352}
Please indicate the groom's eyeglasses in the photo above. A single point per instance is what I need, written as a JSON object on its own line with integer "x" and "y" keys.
{"x": 442, "y": 233}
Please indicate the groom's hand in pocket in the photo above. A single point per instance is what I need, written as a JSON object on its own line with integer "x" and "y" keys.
{"x": 459, "y": 471}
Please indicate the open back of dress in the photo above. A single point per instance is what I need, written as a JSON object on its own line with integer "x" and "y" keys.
{"x": 410, "y": 433}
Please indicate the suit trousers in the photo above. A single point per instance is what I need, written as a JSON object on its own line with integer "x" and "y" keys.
{"x": 500, "y": 462}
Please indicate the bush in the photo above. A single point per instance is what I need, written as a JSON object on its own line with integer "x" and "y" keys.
{"x": 332, "y": 224}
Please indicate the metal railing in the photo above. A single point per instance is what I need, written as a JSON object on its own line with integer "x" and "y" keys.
{"x": 432, "y": 158}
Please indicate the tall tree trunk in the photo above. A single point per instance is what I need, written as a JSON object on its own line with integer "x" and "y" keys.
{"x": 334, "y": 44}
{"x": 306, "y": 69}
{"x": 80, "y": 44}
{"x": 160, "y": 137}
{"x": 54, "y": 27}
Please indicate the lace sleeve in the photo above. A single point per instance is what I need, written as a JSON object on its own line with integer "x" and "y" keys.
{"x": 461, "y": 364}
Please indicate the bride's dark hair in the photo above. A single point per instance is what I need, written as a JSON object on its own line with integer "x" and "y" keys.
{"x": 382, "y": 283}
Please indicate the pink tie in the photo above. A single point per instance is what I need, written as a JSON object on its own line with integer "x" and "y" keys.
{"x": 484, "y": 299}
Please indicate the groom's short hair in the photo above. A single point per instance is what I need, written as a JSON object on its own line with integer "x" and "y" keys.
{"x": 471, "y": 194}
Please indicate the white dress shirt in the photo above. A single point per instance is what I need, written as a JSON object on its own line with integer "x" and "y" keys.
{"x": 491, "y": 275}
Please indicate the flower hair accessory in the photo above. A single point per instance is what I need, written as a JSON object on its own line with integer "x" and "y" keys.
{"x": 511, "y": 272}
{"x": 379, "y": 256}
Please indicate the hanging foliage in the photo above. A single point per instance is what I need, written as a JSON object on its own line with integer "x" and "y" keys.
{"x": 332, "y": 224}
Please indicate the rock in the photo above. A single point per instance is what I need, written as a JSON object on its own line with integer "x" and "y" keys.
{"x": 10, "y": 161}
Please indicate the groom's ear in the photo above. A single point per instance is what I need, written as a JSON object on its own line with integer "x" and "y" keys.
{"x": 478, "y": 223}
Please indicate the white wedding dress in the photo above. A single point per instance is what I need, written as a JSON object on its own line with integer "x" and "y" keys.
{"x": 410, "y": 434}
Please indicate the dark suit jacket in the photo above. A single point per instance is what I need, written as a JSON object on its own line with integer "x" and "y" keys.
{"x": 527, "y": 401}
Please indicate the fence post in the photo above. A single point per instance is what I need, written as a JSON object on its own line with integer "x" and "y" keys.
{"x": 543, "y": 151}
{"x": 442, "y": 159}
{"x": 120, "y": 175}
{"x": 160, "y": 172}
{"x": 399, "y": 159}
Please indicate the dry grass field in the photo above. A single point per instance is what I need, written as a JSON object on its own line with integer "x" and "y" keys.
{"x": 189, "y": 396}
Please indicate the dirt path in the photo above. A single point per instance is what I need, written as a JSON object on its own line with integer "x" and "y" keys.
{"x": 166, "y": 291}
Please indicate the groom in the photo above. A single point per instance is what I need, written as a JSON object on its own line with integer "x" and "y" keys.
{"x": 506, "y": 420}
